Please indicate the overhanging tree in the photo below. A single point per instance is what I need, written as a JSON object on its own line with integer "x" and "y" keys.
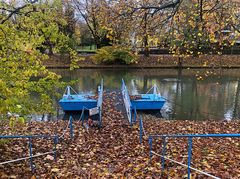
{"x": 24, "y": 29}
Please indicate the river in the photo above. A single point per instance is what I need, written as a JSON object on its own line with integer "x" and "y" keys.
{"x": 192, "y": 94}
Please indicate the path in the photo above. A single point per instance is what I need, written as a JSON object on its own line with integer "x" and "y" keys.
{"x": 111, "y": 151}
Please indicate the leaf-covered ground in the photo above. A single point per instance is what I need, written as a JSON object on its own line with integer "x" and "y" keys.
{"x": 114, "y": 151}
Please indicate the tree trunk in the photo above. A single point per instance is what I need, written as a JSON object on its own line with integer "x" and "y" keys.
{"x": 145, "y": 82}
{"x": 145, "y": 38}
{"x": 179, "y": 62}
{"x": 146, "y": 49}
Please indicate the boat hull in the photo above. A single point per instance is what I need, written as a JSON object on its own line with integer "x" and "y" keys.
{"x": 77, "y": 106}
{"x": 147, "y": 105}
{"x": 148, "y": 102}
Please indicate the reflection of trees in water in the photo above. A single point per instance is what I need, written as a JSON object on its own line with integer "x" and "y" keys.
{"x": 90, "y": 78}
{"x": 236, "y": 102}
{"x": 179, "y": 86}
{"x": 190, "y": 98}
{"x": 194, "y": 111}
{"x": 134, "y": 89}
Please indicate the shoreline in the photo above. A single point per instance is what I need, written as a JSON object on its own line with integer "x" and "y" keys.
{"x": 154, "y": 62}
{"x": 137, "y": 67}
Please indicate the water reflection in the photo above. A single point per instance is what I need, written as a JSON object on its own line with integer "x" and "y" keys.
{"x": 215, "y": 97}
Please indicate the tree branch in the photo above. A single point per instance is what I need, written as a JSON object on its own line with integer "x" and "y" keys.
{"x": 15, "y": 10}
{"x": 169, "y": 5}
{"x": 84, "y": 16}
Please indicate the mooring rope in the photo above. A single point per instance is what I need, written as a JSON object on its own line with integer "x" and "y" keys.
{"x": 25, "y": 158}
{"x": 65, "y": 130}
{"x": 37, "y": 155}
{"x": 199, "y": 171}
{"x": 149, "y": 89}
{"x": 83, "y": 110}
{"x": 73, "y": 90}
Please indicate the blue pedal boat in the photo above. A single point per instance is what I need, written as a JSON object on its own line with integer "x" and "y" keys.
{"x": 79, "y": 102}
{"x": 148, "y": 101}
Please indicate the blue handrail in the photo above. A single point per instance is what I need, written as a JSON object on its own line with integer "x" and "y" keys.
{"x": 141, "y": 130}
{"x": 190, "y": 137}
{"x": 195, "y": 135}
{"x": 127, "y": 102}
{"x": 99, "y": 106}
{"x": 30, "y": 137}
{"x": 99, "y": 103}
{"x": 100, "y": 94}
{"x": 25, "y": 136}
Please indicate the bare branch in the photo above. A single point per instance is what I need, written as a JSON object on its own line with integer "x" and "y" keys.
{"x": 15, "y": 10}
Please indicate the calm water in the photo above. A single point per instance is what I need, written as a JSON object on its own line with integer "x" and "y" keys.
{"x": 191, "y": 94}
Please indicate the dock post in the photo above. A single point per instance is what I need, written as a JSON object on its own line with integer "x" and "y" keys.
{"x": 55, "y": 147}
{"x": 141, "y": 129}
{"x": 83, "y": 111}
{"x": 71, "y": 127}
{"x": 135, "y": 114}
{"x": 30, "y": 152}
{"x": 130, "y": 114}
{"x": 189, "y": 156}
{"x": 100, "y": 117}
{"x": 163, "y": 152}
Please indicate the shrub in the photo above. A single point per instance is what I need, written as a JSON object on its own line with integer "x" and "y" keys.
{"x": 113, "y": 55}
{"x": 104, "y": 55}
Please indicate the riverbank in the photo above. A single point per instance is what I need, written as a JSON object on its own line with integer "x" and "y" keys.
{"x": 154, "y": 61}
{"x": 114, "y": 150}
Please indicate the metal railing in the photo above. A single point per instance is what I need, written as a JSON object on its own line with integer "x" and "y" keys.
{"x": 31, "y": 156}
{"x": 99, "y": 107}
{"x": 127, "y": 103}
{"x": 189, "y": 137}
{"x": 55, "y": 139}
{"x": 99, "y": 103}
{"x": 142, "y": 131}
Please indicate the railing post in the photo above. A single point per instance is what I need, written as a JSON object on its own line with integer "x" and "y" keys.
{"x": 135, "y": 114}
{"x": 100, "y": 117}
{"x": 131, "y": 122}
{"x": 189, "y": 156}
{"x": 71, "y": 127}
{"x": 163, "y": 152}
{"x": 150, "y": 146}
{"x": 30, "y": 152}
{"x": 99, "y": 103}
{"x": 83, "y": 116}
{"x": 55, "y": 147}
{"x": 141, "y": 129}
